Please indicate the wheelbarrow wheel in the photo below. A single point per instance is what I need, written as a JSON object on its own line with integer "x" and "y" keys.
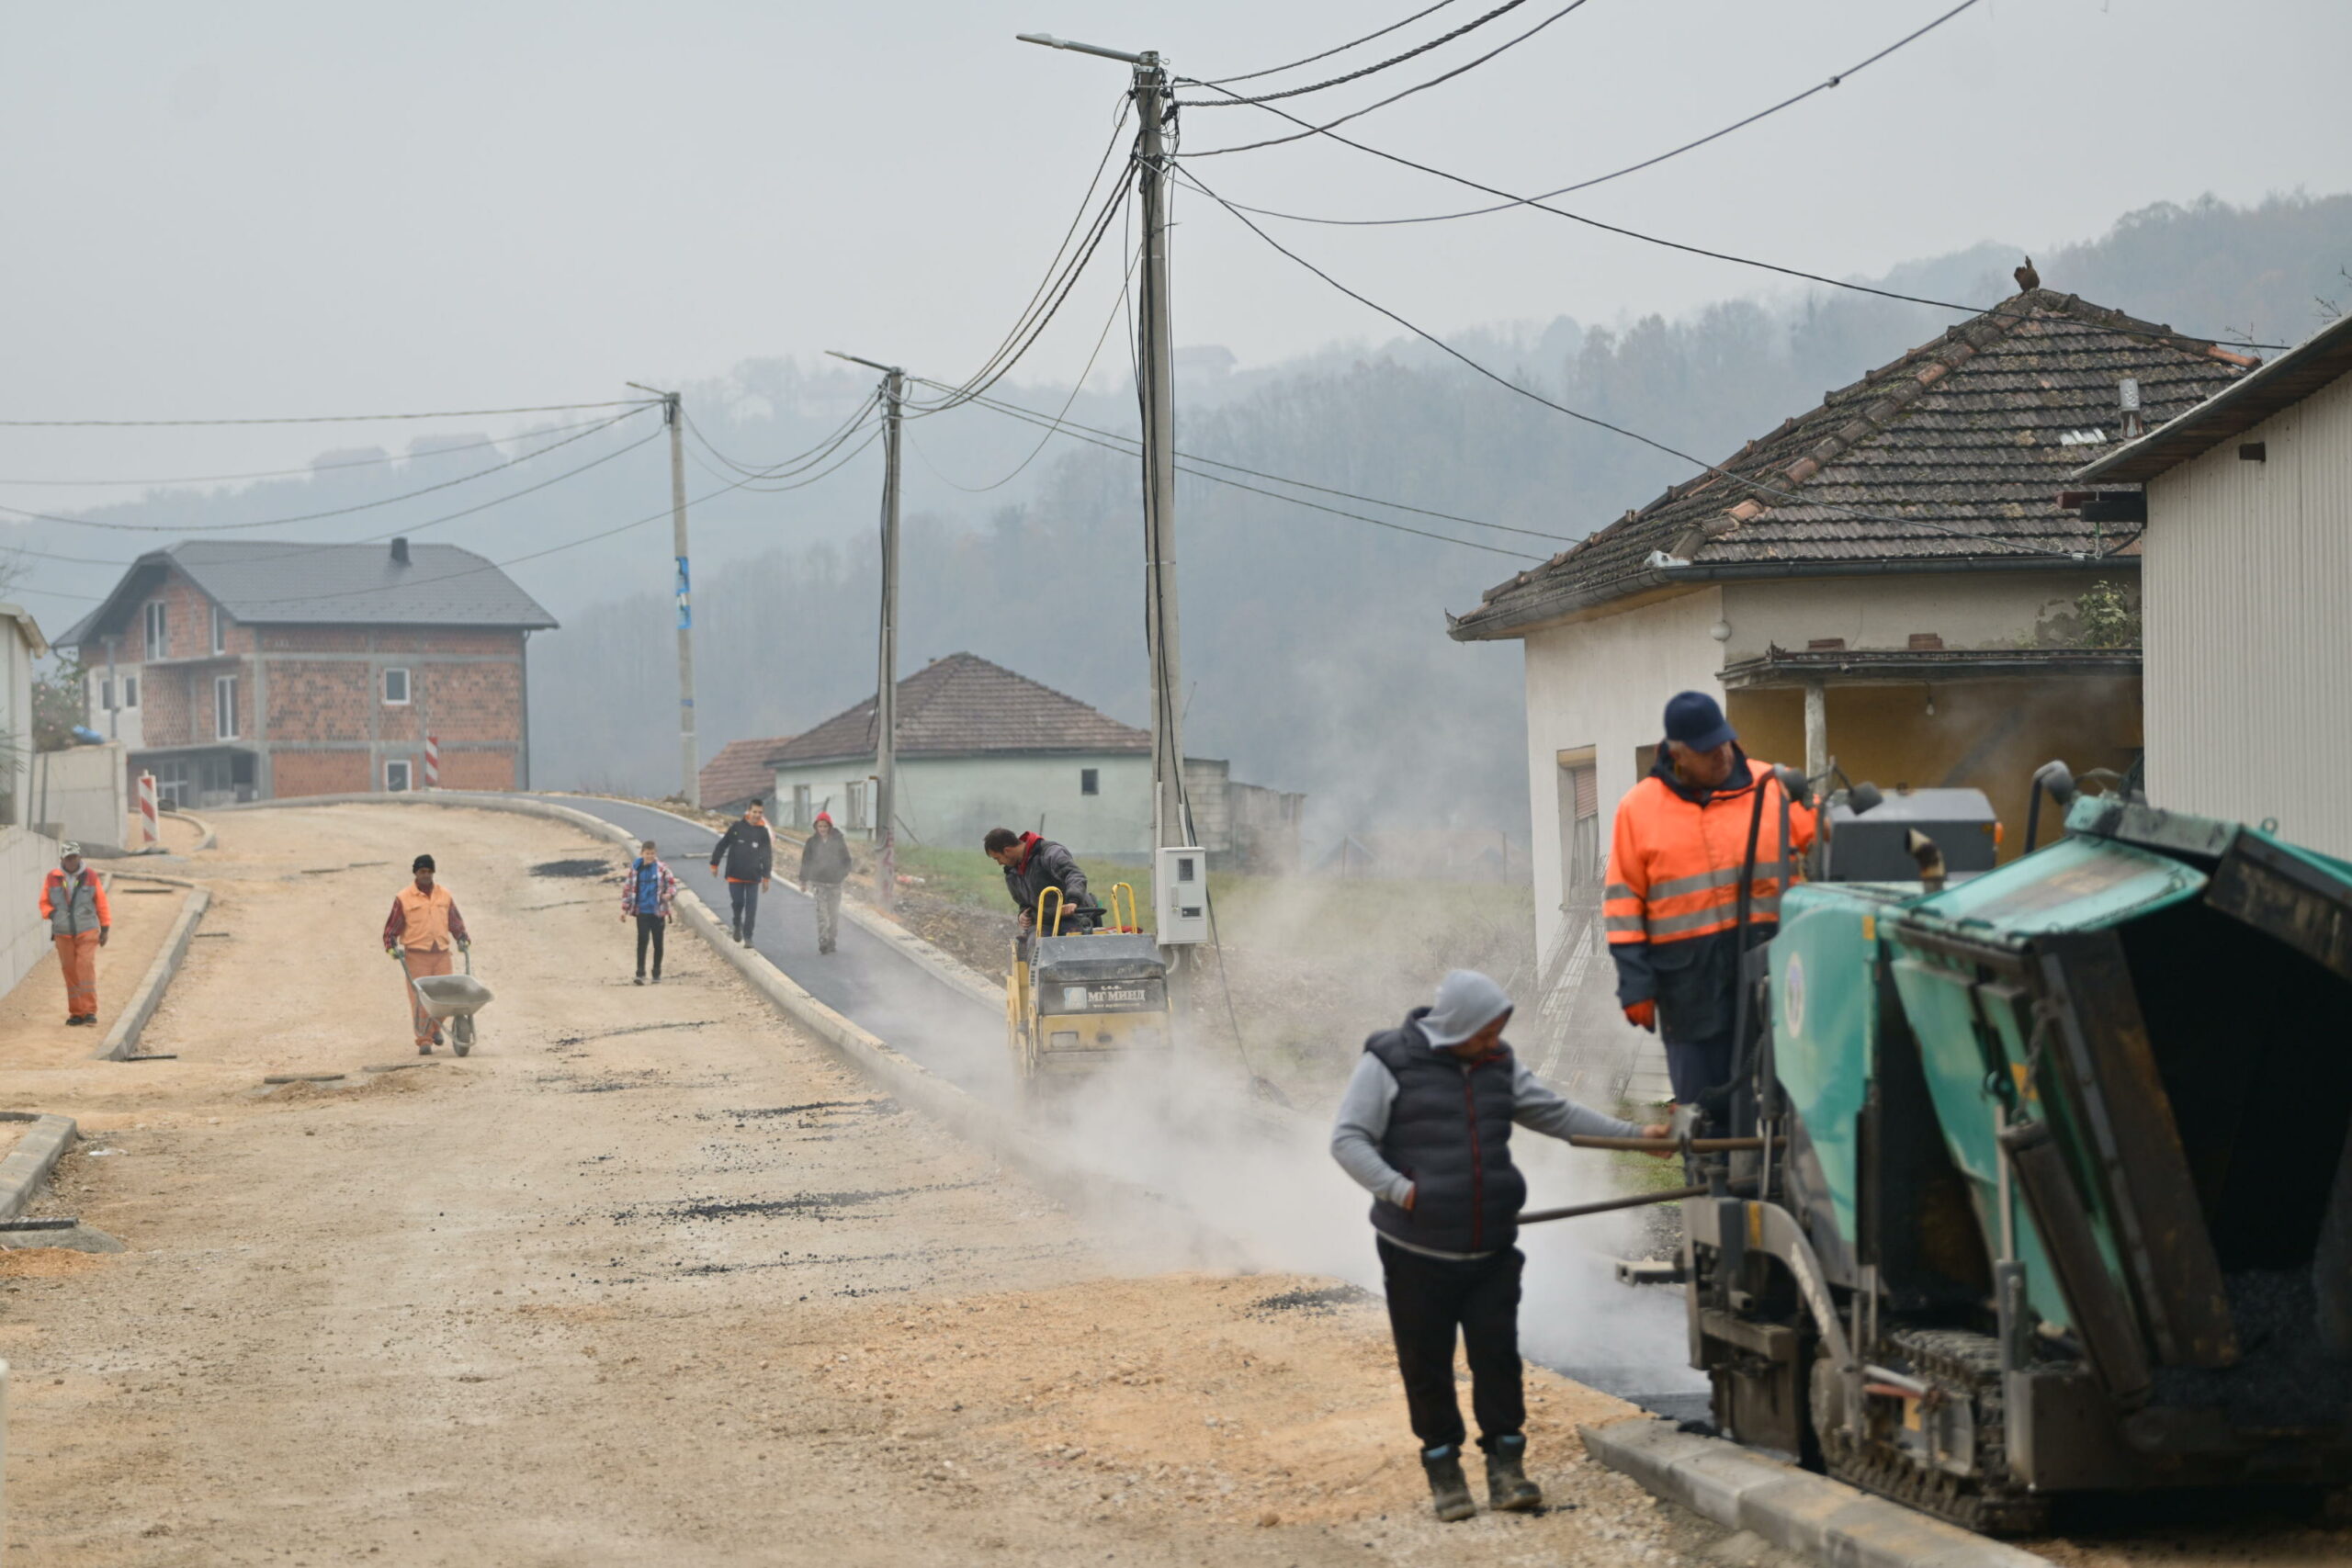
{"x": 461, "y": 1035}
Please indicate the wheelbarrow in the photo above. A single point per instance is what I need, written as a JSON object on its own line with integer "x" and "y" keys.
{"x": 456, "y": 997}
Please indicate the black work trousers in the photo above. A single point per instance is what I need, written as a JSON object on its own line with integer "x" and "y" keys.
{"x": 744, "y": 899}
{"x": 649, "y": 930}
{"x": 1432, "y": 1299}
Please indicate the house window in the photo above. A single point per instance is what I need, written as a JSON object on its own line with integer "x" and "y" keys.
{"x": 220, "y": 629}
{"x": 106, "y": 694}
{"x": 173, "y": 786}
{"x": 156, "y": 626}
{"x": 395, "y": 688}
{"x": 1580, "y": 823}
{"x": 853, "y": 806}
{"x": 130, "y": 690}
{"x": 396, "y": 776}
{"x": 801, "y": 815}
{"x": 1090, "y": 781}
{"x": 224, "y": 707}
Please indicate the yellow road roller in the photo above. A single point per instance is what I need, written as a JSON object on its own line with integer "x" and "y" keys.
{"x": 1078, "y": 1003}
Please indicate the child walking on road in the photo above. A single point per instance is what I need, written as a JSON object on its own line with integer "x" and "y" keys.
{"x": 647, "y": 892}
{"x": 748, "y": 852}
{"x": 824, "y": 866}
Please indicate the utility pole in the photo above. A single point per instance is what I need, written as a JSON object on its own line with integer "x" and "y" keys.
{"x": 1171, "y": 825}
{"x": 886, "y": 679}
{"x": 689, "y": 758}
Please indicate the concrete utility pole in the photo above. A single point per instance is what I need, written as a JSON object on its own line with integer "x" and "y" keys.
{"x": 689, "y": 757}
{"x": 886, "y": 680}
{"x": 1171, "y": 824}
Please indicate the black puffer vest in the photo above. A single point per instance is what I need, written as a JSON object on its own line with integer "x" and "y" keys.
{"x": 1449, "y": 1130}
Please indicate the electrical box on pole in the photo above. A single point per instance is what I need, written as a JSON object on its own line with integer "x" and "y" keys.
{"x": 1179, "y": 890}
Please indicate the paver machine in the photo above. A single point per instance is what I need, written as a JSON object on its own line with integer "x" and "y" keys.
{"x": 1077, "y": 1002}
{"x": 2051, "y": 1189}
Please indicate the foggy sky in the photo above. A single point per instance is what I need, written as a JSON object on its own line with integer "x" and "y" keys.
{"x": 278, "y": 209}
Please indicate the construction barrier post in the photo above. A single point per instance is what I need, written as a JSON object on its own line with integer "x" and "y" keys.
{"x": 150, "y": 828}
{"x": 433, "y": 761}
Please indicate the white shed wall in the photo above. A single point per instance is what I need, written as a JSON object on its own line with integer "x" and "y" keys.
{"x": 24, "y": 858}
{"x": 2244, "y": 595}
{"x": 955, "y": 800}
{"x": 1604, "y": 683}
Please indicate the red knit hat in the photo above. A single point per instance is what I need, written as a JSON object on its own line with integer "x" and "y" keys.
{"x": 826, "y": 818}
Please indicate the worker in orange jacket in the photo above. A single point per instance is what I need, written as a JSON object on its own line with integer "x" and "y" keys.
{"x": 419, "y": 934}
{"x": 75, "y": 904}
{"x": 1671, "y": 906}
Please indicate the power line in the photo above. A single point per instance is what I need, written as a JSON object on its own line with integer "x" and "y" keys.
{"x": 1231, "y": 100}
{"x": 358, "y": 506}
{"x": 1342, "y": 49}
{"x": 410, "y": 457}
{"x": 800, "y": 461}
{"x": 1578, "y": 414}
{"x": 307, "y": 419}
{"x": 1630, "y": 168}
{"x": 1393, "y": 97}
{"x": 1614, "y": 228}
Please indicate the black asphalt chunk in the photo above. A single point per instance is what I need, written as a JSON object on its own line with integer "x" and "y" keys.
{"x": 571, "y": 868}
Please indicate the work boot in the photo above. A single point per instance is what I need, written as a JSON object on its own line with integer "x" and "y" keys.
{"x": 1449, "y": 1490}
{"x": 425, "y": 1047}
{"x": 638, "y": 981}
{"x": 1508, "y": 1488}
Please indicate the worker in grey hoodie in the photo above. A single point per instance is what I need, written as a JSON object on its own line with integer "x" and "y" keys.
{"x": 1425, "y": 1128}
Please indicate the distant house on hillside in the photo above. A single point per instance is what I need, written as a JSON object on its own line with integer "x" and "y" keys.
{"x": 739, "y": 774}
{"x": 1885, "y": 579}
{"x": 263, "y": 670}
{"x": 980, "y": 747}
{"x": 2249, "y": 568}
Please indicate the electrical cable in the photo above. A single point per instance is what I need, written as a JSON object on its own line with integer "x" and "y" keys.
{"x": 1233, "y": 98}
{"x": 1342, "y": 49}
{"x": 1394, "y": 98}
{"x": 1539, "y": 205}
{"x": 308, "y": 419}
{"x": 312, "y": 469}
{"x": 785, "y": 467}
{"x": 1630, "y": 168}
{"x": 1595, "y": 421}
{"x": 361, "y": 506}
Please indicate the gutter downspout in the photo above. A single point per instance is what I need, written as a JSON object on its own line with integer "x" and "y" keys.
{"x": 523, "y": 772}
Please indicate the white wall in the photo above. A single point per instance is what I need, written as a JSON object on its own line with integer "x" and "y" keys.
{"x": 2248, "y": 672}
{"x": 1968, "y": 610}
{"x": 24, "y": 858}
{"x": 123, "y": 724}
{"x": 16, "y": 716}
{"x": 87, "y": 793}
{"x": 1603, "y": 683}
{"x": 955, "y": 800}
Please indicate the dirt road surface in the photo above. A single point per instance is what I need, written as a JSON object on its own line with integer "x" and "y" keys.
{"x": 651, "y": 1277}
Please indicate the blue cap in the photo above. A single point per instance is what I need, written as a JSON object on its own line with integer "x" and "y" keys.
{"x": 1695, "y": 720}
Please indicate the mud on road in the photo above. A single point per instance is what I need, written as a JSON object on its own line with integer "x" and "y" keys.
{"x": 651, "y": 1276}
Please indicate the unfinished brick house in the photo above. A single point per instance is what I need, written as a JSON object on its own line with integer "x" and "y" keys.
{"x": 263, "y": 670}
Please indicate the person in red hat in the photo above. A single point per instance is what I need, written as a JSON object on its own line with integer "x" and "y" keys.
{"x": 824, "y": 866}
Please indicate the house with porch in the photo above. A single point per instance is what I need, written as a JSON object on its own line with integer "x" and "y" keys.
{"x": 259, "y": 670}
{"x": 1885, "y": 583}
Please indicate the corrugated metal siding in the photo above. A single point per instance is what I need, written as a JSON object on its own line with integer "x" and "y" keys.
{"x": 2247, "y": 599}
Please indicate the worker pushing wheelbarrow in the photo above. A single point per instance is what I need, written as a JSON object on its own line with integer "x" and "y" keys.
{"x": 421, "y": 934}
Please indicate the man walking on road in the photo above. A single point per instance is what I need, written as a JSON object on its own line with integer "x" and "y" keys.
{"x": 419, "y": 934}
{"x": 1425, "y": 1127}
{"x": 1030, "y": 865}
{"x": 647, "y": 889}
{"x": 1671, "y": 904}
{"x": 79, "y": 922}
{"x": 824, "y": 866}
{"x": 748, "y": 849}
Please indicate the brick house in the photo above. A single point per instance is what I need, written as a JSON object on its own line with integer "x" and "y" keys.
{"x": 263, "y": 669}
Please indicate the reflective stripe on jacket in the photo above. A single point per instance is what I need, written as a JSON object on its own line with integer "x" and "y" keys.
{"x": 1675, "y": 856}
{"x": 83, "y": 908}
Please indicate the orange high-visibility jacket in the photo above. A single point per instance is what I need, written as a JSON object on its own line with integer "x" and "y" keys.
{"x": 1674, "y": 864}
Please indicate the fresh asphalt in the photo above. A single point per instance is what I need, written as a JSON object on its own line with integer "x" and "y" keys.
{"x": 864, "y": 979}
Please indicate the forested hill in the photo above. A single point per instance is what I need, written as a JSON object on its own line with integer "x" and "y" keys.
{"x": 1314, "y": 646}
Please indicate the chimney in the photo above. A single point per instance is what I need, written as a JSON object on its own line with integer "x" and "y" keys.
{"x": 2127, "y": 402}
{"x": 400, "y": 552}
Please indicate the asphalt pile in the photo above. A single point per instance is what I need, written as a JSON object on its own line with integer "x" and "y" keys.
{"x": 2285, "y": 1375}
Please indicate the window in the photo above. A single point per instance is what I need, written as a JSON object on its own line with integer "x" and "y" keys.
{"x": 130, "y": 690}
{"x": 396, "y": 776}
{"x": 220, "y": 629}
{"x": 395, "y": 688}
{"x": 106, "y": 694}
{"x": 801, "y": 815}
{"x": 157, "y": 646}
{"x": 854, "y": 806}
{"x": 1580, "y": 822}
{"x": 1090, "y": 781}
{"x": 224, "y": 707}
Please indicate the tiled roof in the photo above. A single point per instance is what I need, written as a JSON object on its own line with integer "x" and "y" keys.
{"x": 963, "y": 705}
{"x": 278, "y": 583}
{"x": 741, "y": 770}
{"x": 2295, "y": 375}
{"x": 1957, "y": 450}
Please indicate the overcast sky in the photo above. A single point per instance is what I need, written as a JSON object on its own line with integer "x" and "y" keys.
{"x": 282, "y": 209}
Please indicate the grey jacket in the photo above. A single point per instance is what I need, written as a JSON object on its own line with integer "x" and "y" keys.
{"x": 73, "y": 907}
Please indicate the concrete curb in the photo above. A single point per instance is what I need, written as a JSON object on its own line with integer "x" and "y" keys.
{"x": 29, "y": 1163}
{"x": 1796, "y": 1510}
{"x": 209, "y": 837}
{"x": 123, "y": 1038}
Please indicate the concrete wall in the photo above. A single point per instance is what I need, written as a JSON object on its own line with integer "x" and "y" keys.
{"x": 24, "y": 858}
{"x": 1603, "y": 683}
{"x": 15, "y": 722}
{"x": 85, "y": 793}
{"x": 955, "y": 800}
{"x": 2249, "y": 568}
